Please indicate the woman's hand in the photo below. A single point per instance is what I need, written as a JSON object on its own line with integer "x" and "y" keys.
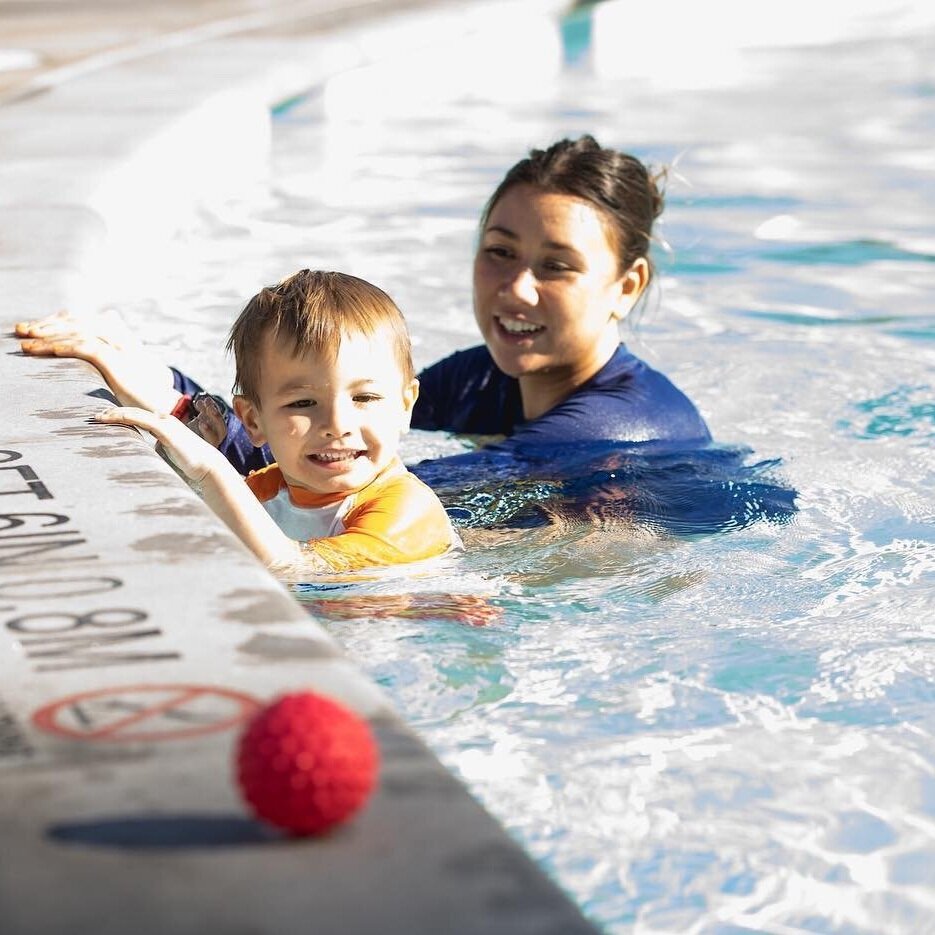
{"x": 208, "y": 421}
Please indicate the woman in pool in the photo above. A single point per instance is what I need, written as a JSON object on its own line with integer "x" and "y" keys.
{"x": 563, "y": 257}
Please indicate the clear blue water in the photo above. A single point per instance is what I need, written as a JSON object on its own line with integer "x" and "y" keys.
{"x": 707, "y": 728}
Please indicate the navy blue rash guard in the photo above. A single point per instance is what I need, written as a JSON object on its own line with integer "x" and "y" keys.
{"x": 626, "y": 400}
{"x": 466, "y": 394}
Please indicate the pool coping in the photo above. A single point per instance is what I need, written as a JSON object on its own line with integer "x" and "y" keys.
{"x": 117, "y": 584}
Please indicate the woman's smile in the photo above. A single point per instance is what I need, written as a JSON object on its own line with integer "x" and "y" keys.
{"x": 519, "y": 328}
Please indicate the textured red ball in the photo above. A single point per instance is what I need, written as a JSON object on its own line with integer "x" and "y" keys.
{"x": 306, "y": 763}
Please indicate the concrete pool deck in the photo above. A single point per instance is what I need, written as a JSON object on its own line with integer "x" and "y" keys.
{"x": 135, "y": 632}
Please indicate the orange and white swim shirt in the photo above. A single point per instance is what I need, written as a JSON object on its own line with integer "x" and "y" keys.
{"x": 395, "y": 519}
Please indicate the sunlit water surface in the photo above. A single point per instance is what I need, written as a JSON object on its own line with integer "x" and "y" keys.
{"x": 718, "y": 731}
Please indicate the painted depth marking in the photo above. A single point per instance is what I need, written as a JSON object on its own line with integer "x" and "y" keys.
{"x": 133, "y": 713}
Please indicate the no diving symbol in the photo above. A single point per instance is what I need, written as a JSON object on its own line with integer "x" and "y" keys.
{"x": 134, "y": 713}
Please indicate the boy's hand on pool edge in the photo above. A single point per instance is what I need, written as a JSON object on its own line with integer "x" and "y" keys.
{"x": 191, "y": 454}
{"x": 133, "y": 373}
{"x": 216, "y": 480}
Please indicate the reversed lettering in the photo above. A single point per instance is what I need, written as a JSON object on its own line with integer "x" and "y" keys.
{"x": 33, "y": 484}
{"x": 40, "y": 589}
{"x": 89, "y": 651}
{"x": 13, "y": 742}
{"x": 29, "y": 623}
{"x": 13, "y": 553}
{"x": 15, "y": 520}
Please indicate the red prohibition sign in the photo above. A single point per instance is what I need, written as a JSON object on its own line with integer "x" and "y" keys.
{"x": 133, "y": 713}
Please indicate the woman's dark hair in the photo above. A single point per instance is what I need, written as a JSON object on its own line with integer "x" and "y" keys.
{"x": 618, "y": 185}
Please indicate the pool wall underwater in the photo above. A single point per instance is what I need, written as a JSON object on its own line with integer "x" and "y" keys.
{"x": 135, "y": 631}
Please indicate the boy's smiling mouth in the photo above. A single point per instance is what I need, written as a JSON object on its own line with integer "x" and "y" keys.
{"x": 333, "y": 457}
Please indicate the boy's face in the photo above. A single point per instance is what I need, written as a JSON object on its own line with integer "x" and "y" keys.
{"x": 332, "y": 425}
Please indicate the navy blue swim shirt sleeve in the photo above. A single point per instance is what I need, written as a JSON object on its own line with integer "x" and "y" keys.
{"x": 185, "y": 384}
{"x": 465, "y": 394}
{"x": 627, "y": 400}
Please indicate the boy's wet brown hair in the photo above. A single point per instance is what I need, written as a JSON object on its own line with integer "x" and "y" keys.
{"x": 311, "y": 311}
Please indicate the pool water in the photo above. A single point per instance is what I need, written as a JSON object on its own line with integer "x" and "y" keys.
{"x": 724, "y": 726}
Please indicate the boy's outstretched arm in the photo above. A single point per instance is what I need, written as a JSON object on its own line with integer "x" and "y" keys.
{"x": 221, "y": 486}
{"x": 134, "y": 374}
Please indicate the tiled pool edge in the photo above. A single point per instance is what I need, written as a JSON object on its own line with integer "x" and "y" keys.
{"x": 103, "y": 827}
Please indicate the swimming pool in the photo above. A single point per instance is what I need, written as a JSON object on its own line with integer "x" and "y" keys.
{"x": 716, "y": 730}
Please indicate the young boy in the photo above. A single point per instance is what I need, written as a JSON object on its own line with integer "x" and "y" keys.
{"x": 324, "y": 376}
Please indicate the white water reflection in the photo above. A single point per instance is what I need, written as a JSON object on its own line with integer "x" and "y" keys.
{"x": 671, "y": 45}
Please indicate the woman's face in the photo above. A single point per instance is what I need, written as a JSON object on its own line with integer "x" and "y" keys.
{"x": 548, "y": 293}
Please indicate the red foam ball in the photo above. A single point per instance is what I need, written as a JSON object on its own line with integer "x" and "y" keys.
{"x": 306, "y": 763}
